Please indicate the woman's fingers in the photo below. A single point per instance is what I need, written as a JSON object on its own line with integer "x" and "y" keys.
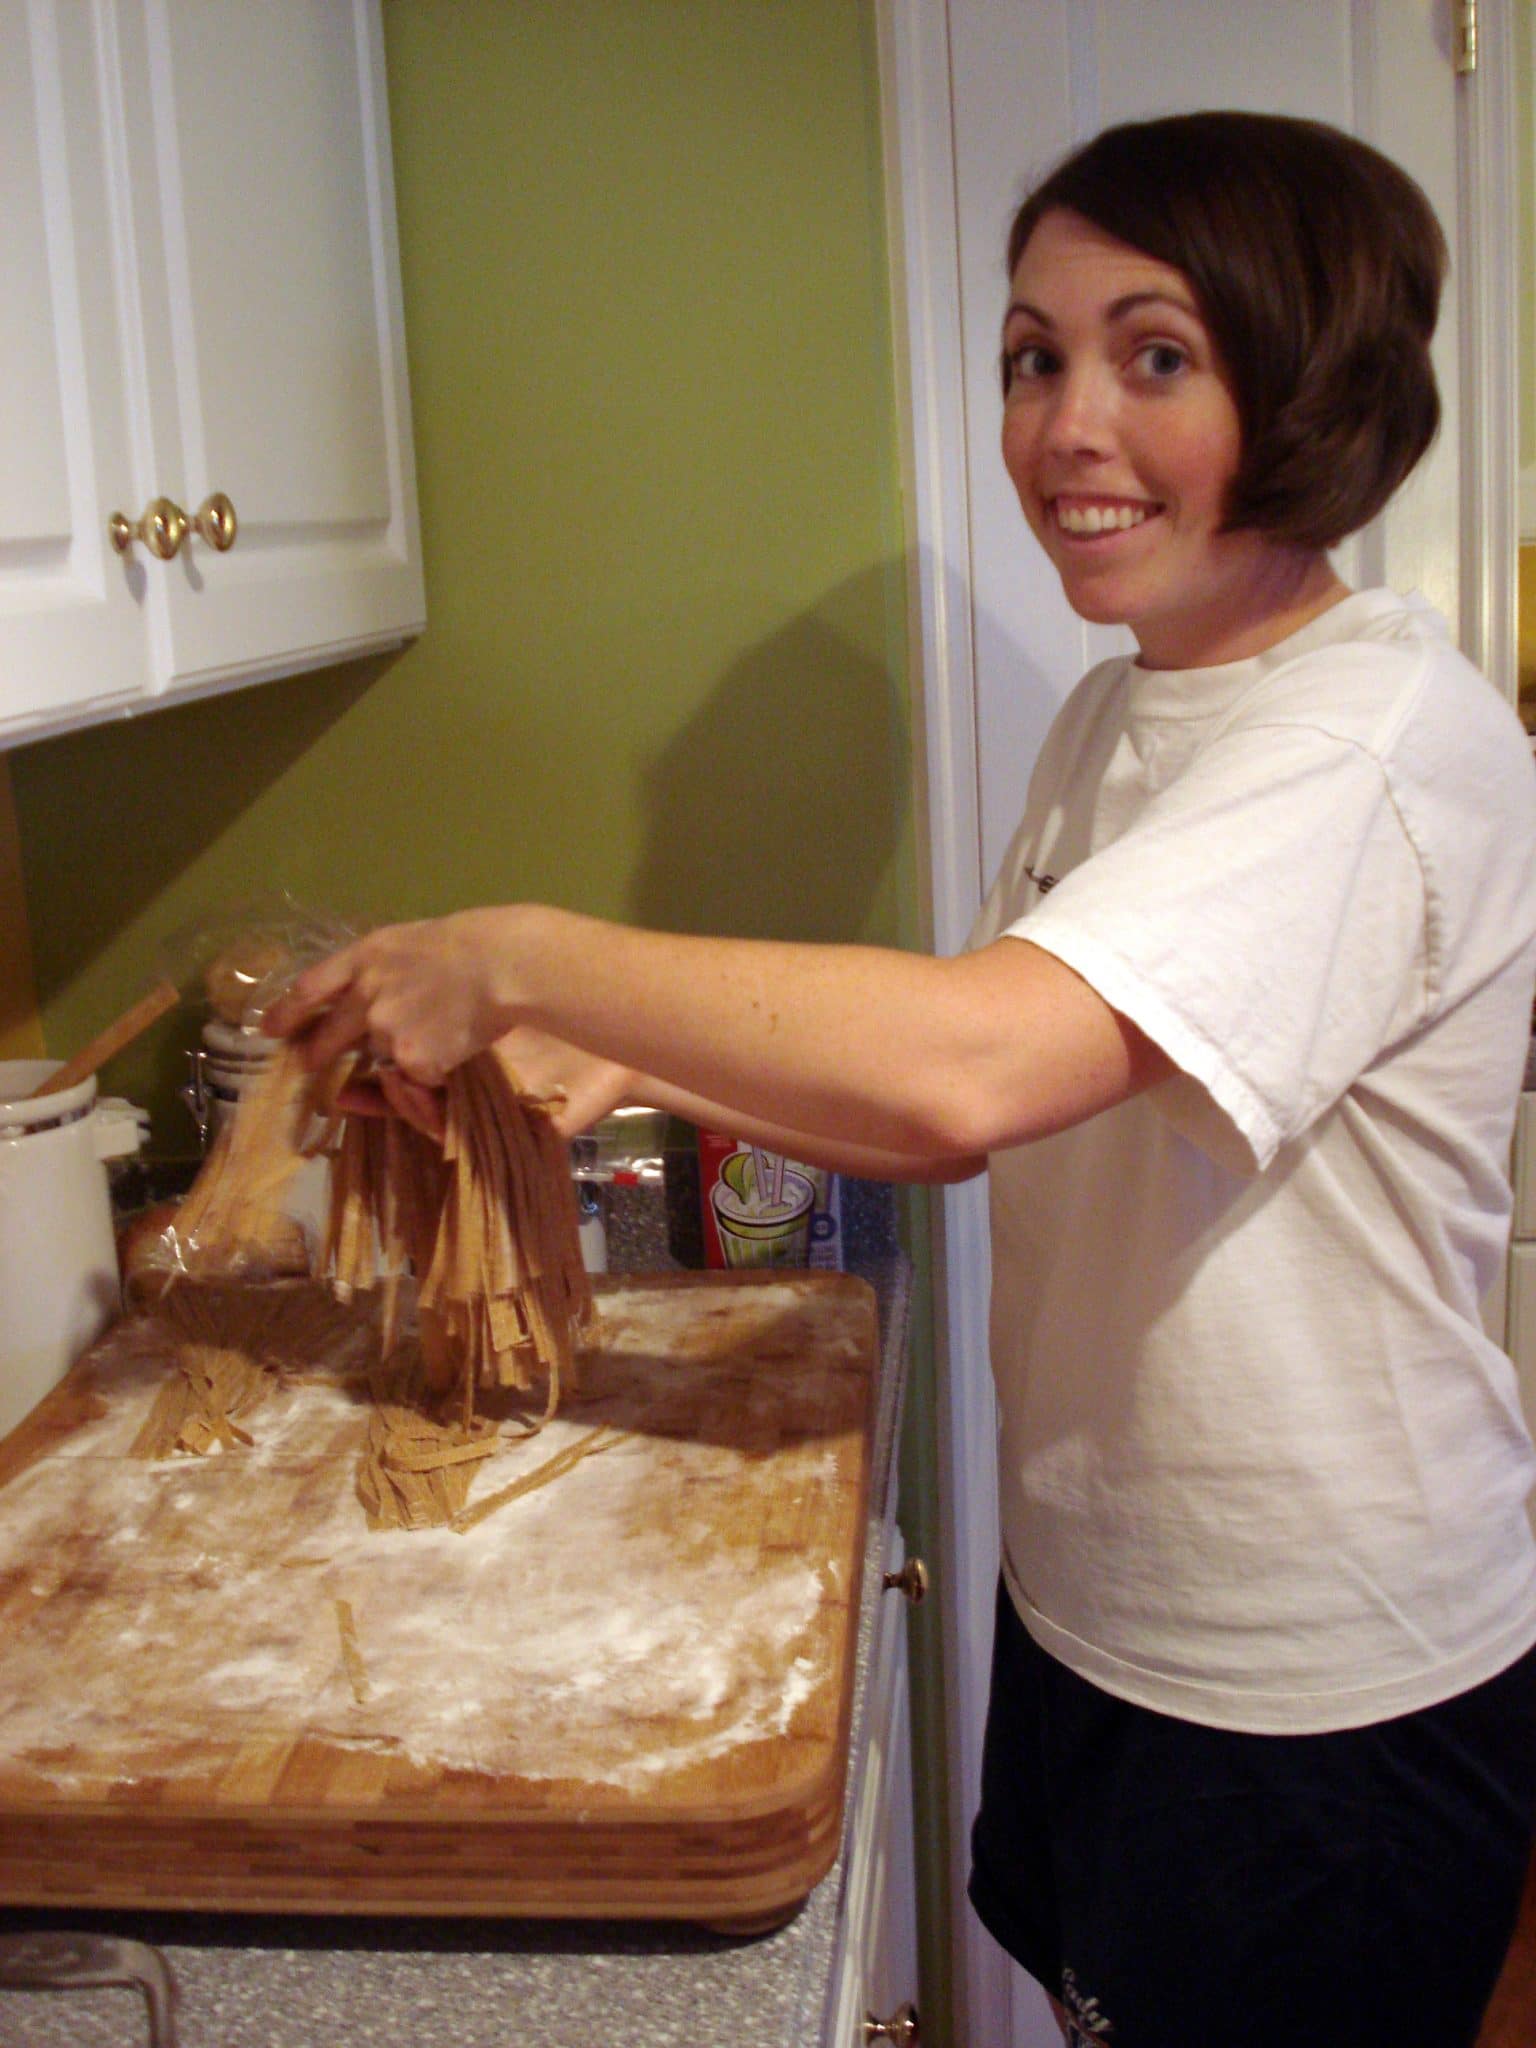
{"x": 362, "y": 1098}
{"x": 414, "y": 996}
{"x": 325, "y": 1034}
{"x": 413, "y": 993}
{"x": 598, "y": 1093}
{"x": 311, "y": 993}
{"x": 339, "y": 1006}
{"x": 387, "y": 1092}
{"x": 414, "y": 1103}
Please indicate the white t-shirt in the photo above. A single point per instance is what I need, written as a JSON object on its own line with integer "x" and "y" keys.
{"x": 1260, "y": 1465}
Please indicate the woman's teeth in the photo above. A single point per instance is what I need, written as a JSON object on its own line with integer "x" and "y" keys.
{"x": 1099, "y": 518}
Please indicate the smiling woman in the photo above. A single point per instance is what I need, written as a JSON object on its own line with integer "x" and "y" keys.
{"x": 1215, "y": 363}
{"x": 1238, "y": 1034}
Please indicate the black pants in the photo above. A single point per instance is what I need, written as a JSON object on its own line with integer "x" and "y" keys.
{"x": 1186, "y": 1887}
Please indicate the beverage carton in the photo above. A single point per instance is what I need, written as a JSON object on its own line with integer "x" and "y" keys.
{"x": 759, "y": 1208}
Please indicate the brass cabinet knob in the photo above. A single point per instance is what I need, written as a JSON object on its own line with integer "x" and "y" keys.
{"x": 165, "y": 526}
{"x": 901, "y": 2027}
{"x": 911, "y": 1580}
{"x": 122, "y": 532}
{"x": 216, "y": 523}
{"x": 162, "y": 529}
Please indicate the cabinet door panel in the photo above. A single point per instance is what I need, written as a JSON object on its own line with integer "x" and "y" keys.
{"x": 71, "y": 630}
{"x": 1524, "y": 1222}
{"x": 1522, "y": 1323}
{"x": 267, "y": 250}
{"x": 890, "y": 1973}
{"x": 273, "y": 361}
{"x": 875, "y": 1970}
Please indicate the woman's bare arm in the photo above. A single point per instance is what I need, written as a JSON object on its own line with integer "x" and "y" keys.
{"x": 900, "y": 1056}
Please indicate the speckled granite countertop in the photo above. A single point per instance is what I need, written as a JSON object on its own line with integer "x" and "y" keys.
{"x": 307, "y": 1982}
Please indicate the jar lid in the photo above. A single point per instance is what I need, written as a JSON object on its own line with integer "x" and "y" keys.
{"x": 237, "y": 1043}
{"x": 21, "y": 1111}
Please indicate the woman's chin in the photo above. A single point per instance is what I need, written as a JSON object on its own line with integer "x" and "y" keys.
{"x": 1098, "y": 604}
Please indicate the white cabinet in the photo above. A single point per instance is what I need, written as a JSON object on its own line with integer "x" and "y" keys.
{"x": 71, "y": 624}
{"x": 875, "y": 1976}
{"x": 202, "y": 295}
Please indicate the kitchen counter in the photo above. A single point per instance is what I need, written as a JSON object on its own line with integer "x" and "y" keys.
{"x": 332, "y": 1982}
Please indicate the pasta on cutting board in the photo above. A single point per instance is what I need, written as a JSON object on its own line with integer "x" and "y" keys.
{"x": 486, "y": 1223}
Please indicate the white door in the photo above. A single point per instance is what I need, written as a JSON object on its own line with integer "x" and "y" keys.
{"x": 71, "y": 623}
{"x": 981, "y": 96}
{"x": 262, "y": 218}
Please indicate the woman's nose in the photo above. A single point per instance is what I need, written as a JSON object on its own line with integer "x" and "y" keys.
{"x": 1081, "y": 412}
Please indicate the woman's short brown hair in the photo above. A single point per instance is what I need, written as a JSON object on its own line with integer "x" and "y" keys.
{"x": 1317, "y": 265}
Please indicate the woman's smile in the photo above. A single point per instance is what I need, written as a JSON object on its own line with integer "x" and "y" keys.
{"x": 1091, "y": 518}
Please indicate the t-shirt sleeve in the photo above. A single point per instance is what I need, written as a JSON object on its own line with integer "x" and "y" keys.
{"x": 1264, "y": 922}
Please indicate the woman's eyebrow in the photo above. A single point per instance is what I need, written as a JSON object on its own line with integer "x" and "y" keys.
{"x": 1117, "y": 309}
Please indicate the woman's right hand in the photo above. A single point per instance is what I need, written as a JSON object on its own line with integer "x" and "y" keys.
{"x": 416, "y": 994}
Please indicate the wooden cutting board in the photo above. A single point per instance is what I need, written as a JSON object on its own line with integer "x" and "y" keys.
{"x": 626, "y": 1693}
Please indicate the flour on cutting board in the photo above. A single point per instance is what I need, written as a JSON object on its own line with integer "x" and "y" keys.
{"x": 669, "y": 1599}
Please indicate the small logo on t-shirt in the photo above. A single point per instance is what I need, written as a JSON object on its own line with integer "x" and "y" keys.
{"x": 1044, "y": 883}
{"x": 1088, "y": 2024}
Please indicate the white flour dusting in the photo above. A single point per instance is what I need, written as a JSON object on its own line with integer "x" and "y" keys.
{"x": 678, "y": 1594}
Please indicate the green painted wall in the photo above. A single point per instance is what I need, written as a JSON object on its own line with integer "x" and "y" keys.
{"x": 664, "y": 675}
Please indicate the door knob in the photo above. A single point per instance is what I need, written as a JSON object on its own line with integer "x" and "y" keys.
{"x": 911, "y": 1580}
{"x": 165, "y": 526}
{"x": 901, "y": 2027}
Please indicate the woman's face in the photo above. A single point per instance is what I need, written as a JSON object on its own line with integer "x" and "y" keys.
{"x": 1120, "y": 432}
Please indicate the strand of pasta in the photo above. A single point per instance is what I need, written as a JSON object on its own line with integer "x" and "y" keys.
{"x": 602, "y": 1438}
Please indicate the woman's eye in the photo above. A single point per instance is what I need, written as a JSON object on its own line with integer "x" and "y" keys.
{"x": 1162, "y": 359}
{"x": 1029, "y": 360}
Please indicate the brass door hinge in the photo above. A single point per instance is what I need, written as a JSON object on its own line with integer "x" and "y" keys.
{"x": 1464, "y": 35}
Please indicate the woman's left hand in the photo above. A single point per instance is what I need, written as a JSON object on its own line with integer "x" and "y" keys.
{"x": 585, "y": 1088}
{"x": 388, "y": 1092}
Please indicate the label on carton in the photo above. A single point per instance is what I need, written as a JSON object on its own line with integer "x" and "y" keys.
{"x": 762, "y": 1209}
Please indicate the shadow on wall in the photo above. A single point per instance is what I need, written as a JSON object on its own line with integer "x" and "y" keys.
{"x": 778, "y": 809}
{"x": 117, "y": 813}
{"x": 161, "y": 790}
{"x": 769, "y": 798}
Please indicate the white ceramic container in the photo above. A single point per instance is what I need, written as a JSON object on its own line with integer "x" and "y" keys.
{"x": 58, "y": 1256}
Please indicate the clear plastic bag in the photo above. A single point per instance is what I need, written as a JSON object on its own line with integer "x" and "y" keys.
{"x": 262, "y": 1218}
{"x": 242, "y": 958}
